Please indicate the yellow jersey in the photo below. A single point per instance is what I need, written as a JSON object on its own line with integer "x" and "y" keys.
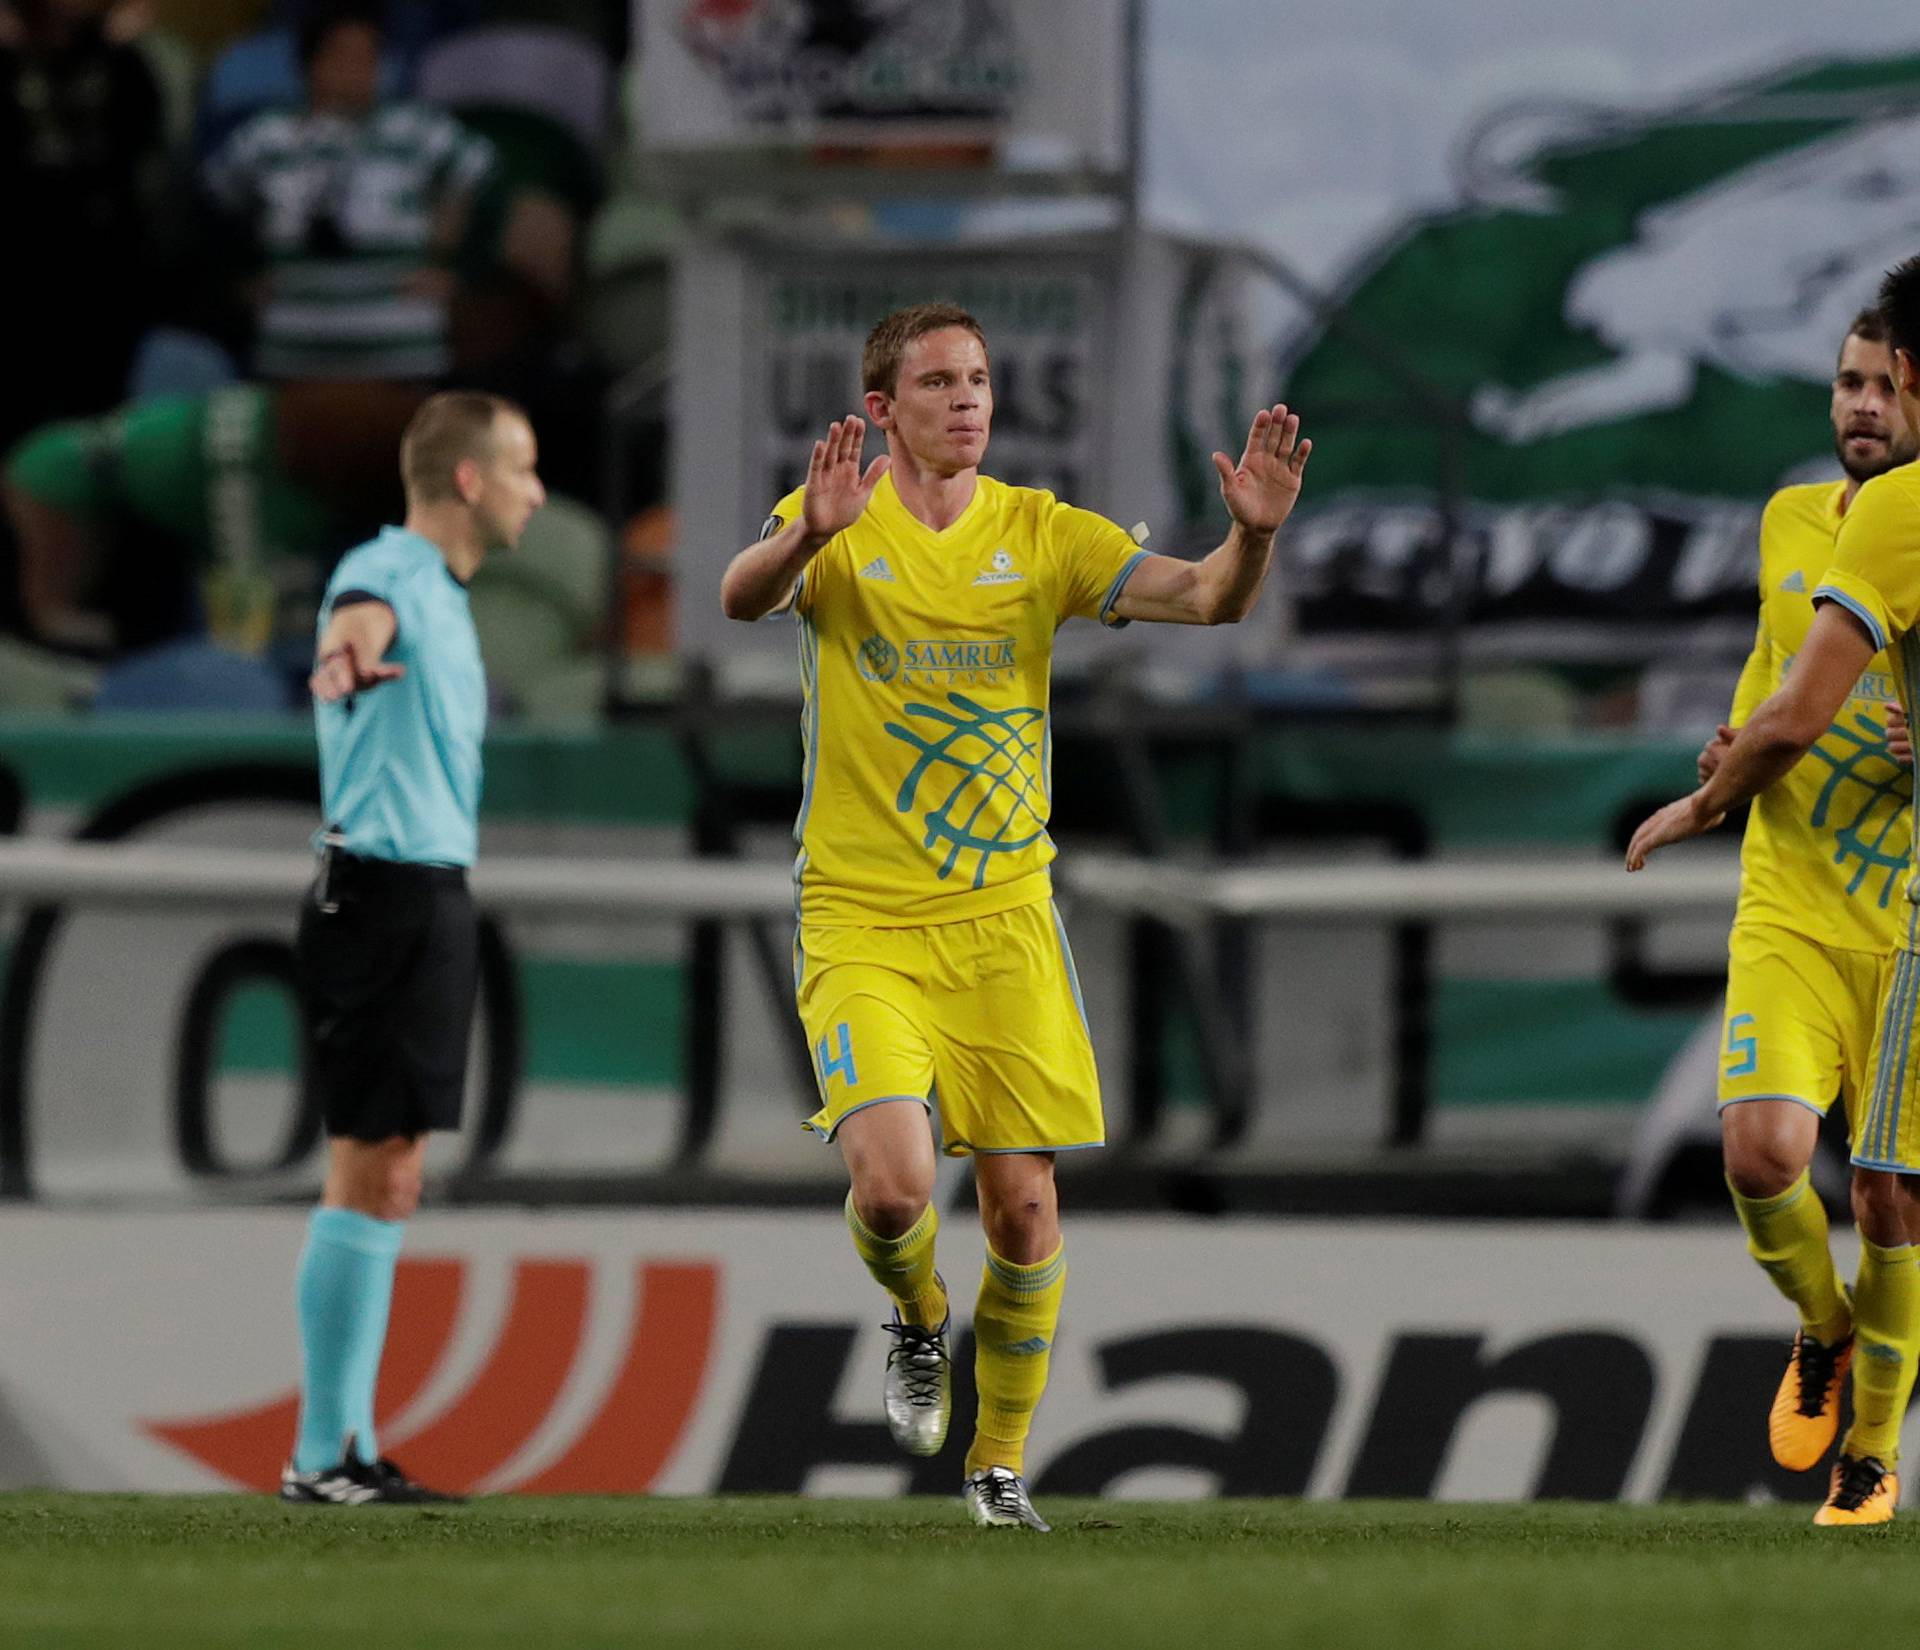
{"x": 1827, "y": 846}
{"x": 926, "y": 659}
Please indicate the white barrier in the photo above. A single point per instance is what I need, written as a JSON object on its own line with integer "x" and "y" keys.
{"x": 110, "y": 874}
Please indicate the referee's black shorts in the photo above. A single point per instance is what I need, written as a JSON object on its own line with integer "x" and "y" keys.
{"x": 389, "y": 974}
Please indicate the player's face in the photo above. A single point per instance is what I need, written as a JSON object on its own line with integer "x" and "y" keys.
{"x": 508, "y": 485}
{"x": 942, "y": 403}
{"x": 344, "y": 76}
{"x": 1869, "y": 434}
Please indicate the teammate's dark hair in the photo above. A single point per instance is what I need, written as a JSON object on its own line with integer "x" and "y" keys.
{"x": 1900, "y": 306}
{"x": 1869, "y": 324}
{"x": 319, "y": 21}
{"x": 887, "y": 343}
{"x": 449, "y": 427}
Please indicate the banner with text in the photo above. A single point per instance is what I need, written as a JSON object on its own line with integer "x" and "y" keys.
{"x": 694, "y": 1354}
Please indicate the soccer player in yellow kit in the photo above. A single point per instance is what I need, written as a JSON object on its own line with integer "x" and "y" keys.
{"x": 1823, "y": 875}
{"x": 930, "y": 962}
{"x": 1867, "y": 603}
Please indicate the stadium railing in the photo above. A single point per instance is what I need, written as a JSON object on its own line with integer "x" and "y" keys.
{"x": 1200, "y": 902}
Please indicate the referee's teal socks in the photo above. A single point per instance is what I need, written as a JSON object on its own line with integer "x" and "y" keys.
{"x": 343, "y": 1289}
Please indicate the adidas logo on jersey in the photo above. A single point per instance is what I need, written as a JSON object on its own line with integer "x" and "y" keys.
{"x": 1001, "y": 572}
{"x": 877, "y": 569}
{"x": 1795, "y": 582}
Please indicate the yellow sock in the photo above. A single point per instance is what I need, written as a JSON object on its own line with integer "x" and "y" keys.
{"x": 903, "y": 1266}
{"x": 1787, "y": 1235}
{"x": 1013, "y": 1328}
{"x": 1885, "y": 1299}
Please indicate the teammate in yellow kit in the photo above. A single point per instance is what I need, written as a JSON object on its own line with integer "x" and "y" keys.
{"x": 1867, "y": 603}
{"x": 1822, "y": 890}
{"x": 930, "y": 962}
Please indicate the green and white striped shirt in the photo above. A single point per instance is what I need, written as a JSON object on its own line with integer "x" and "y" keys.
{"x": 344, "y": 212}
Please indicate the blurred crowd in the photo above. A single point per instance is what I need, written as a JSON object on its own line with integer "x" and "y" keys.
{"x": 252, "y": 235}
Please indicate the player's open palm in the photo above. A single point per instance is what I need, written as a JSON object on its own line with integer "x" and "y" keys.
{"x": 1261, "y": 489}
{"x": 837, "y": 488}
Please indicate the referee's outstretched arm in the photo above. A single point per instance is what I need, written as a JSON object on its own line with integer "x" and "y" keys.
{"x": 351, "y": 650}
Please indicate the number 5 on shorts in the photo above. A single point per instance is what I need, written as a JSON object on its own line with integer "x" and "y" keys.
{"x": 1742, "y": 1046}
{"x": 840, "y": 1061}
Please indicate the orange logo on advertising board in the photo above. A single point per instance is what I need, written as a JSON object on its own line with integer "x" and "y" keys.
{"x": 622, "y": 1449}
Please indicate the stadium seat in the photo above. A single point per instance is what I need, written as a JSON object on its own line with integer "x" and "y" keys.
{"x": 194, "y": 675}
{"x": 629, "y": 262}
{"x": 633, "y": 229}
{"x": 34, "y": 679}
{"x": 566, "y": 547}
{"x": 175, "y": 361}
{"x": 1516, "y": 701}
{"x": 570, "y": 695}
{"x": 526, "y": 629}
{"x": 537, "y": 69}
{"x": 1687, "y": 699}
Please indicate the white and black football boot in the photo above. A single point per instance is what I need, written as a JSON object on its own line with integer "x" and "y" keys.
{"x": 997, "y": 1498}
{"x": 918, "y": 1391}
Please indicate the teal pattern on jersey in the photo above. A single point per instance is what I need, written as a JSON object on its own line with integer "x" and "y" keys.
{"x": 993, "y": 757}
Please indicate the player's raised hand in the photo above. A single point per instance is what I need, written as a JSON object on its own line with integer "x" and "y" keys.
{"x": 1674, "y": 823}
{"x": 1261, "y": 489}
{"x": 342, "y": 672}
{"x": 1899, "y": 736}
{"x": 837, "y": 489}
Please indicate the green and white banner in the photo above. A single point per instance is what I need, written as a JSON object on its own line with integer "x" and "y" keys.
{"x": 1592, "y": 265}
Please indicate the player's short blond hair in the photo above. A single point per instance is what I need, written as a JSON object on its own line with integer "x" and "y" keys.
{"x": 449, "y": 427}
{"x": 887, "y": 344}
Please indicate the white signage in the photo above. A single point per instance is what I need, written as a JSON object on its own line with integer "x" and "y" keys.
{"x": 701, "y": 1353}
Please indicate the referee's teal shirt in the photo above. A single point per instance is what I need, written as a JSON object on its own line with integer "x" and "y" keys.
{"x": 400, "y": 763}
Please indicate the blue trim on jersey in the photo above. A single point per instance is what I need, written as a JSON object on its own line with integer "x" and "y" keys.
{"x": 1890, "y": 1167}
{"x": 1073, "y": 974}
{"x": 1900, "y": 1030}
{"x": 826, "y": 1135}
{"x": 1113, "y": 591}
{"x": 1790, "y": 1099}
{"x": 810, "y": 684}
{"x": 1827, "y": 593}
{"x": 1877, "y": 1134}
{"x": 1010, "y": 1151}
{"x": 1904, "y": 1043}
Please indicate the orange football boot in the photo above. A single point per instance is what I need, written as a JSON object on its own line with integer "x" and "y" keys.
{"x": 1806, "y": 1409}
{"x": 1864, "y": 1491}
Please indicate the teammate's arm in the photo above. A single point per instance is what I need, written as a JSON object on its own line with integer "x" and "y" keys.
{"x": 351, "y": 649}
{"x": 761, "y": 579}
{"x": 1748, "y": 692}
{"x": 1776, "y": 736}
{"x": 1260, "y": 492}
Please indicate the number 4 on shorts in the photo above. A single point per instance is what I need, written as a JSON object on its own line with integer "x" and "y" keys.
{"x": 841, "y": 1060}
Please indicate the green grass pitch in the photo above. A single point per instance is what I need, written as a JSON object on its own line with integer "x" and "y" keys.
{"x": 228, "y": 1571}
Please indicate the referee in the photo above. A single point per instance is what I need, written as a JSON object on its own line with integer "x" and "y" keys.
{"x": 387, "y": 947}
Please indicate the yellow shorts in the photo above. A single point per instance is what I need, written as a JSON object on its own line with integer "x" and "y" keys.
{"x": 983, "y": 1017}
{"x": 1888, "y": 1136}
{"x": 1800, "y": 1019}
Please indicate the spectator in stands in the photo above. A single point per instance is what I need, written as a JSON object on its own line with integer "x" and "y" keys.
{"x": 219, "y": 511}
{"x": 348, "y": 214}
{"x": 81, "y": 162}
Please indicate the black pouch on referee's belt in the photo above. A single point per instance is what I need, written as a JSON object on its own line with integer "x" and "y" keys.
{"x": 326, "y": 885}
